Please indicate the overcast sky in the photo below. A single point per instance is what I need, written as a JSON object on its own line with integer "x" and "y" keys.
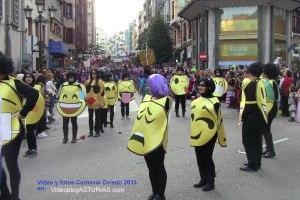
{"x": 115, "y": 15}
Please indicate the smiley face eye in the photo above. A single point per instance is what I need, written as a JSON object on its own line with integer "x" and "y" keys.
{"x": 176, "y": 80}
{"x": 74, "y": 96}
{"x": 114, "y": 88}
{"x": 65, "y": 96}
{"x": 192, "y": 116}
{"x": 107, "y": 89}
{"x": 148, "y": 111}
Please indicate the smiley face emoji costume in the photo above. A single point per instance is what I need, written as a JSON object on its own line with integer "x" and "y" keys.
{"x": 93, "y": 96}
{"x": 111, "y": 91}
{"x": 179, "y": 84}
{"x": 150, "y": 129}
{"x": 71, "y": 100}
{"x": 126, "y": 87}
{"x": 206, "y": 122}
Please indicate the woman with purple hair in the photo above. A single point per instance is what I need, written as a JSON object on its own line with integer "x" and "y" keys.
{"x": 150, "y": 133}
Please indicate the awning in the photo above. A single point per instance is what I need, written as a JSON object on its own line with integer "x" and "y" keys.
{"x": 57, "y": 48}
{"x": 195, "y": 7}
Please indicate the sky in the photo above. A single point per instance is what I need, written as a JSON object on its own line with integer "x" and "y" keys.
{"x": 115, "y": 15}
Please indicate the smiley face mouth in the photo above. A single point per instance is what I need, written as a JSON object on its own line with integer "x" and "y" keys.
{"x": 196, "y": 137}
{"x": 139, "y": 137}
{"x": 70, "y": 108}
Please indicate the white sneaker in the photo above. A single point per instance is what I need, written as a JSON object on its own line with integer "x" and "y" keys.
{"x": 42, "y": 135}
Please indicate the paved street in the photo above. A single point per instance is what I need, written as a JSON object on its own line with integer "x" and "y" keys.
{"x": 107, "y": 158}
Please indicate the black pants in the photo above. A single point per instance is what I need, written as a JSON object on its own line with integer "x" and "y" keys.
{"x": 205, "y": 161}
{"x": 124, "y": 106}
{"x": 41, "y": 125}
{"x": 157, "y": 171}
{"x": 252, "y": 140}
{"x": 10, "y": 152}
{"x": 103, "y": 117}
{"x": 91, "y": 120}
{"x": 31, "y": 139}
{"x": 180, "y": 99}
{"x": 267, "y": 129}
{"x": 285, "y": 105}
{"x": 66, "y": 121}
{"x": 111, "y": 114}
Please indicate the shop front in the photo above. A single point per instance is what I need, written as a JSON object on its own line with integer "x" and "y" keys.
{"x": 58, "y": 52}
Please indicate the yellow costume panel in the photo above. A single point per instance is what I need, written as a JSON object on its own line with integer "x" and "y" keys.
{"x": 93, "y": 96}
{"x": 179, "y": 84}
{"x": 221, "y": 86}
{"x": 111, "y": 91}
{"x": 126, "y": 87}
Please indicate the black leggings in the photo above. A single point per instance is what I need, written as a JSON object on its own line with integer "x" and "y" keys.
{"x": 103, "y": 117}
{"x": 180, "y": 99}
{"x": 31, "y": 139}
{"x": 10, "y": 152}
{"x": 267, "y": 129}
{"x": 124, "y": 108}
{"x": 111, "y": 114}
{"x": 91, "y": 120}
{"x": 66, "y": 121}
{"x": 41, "y": 125}
{"x": 157, "y": 171}
{"x": 205, "y": 161}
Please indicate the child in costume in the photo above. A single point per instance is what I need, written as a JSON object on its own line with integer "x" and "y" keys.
{"x": 206, "y": 127}
{"x": 150, "y": 133}
{"x": 126, "y": 91}
{"x": 71, "y": 104}
{"x": 111, "y": 90}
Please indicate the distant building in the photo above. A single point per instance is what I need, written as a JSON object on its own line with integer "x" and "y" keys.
{"x": 91, "y": 27}
{"x": 81, "y": 37}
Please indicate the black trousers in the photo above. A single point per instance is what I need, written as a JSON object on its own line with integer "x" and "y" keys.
{"x": 10, "y": 152}
{"x": 41, "y": 125}
{"x": 205, "y": 161}
{"x": 91, "y": 120}
{"x": 111, "y": 114}
{"x": 124, "y": 109}
{"x": 157, "y": 171}
{"x": 66, "y": 121}
{"x": 180, "y": 99}
{"x": 285, "y": 105}
{"x": 267, "y": 129}
{"x": 31, "y": 138}
{"x": 103, "y": 117}
{"x": 252, "y": 140}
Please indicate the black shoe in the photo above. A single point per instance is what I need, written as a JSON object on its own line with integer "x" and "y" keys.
{"x": 102, "y": 131}
{"x": 157, "y": 197}
{"x": 264, "y": 153}
{"x": 200, "y": 184}
{"x": 27, "y": 153}
{"x": 33, "y": 153}
{"x": 177, "y": 115}
{"x": 73, "y": 140}
{"x": 246, "y": 164}
{"x": 105, "y": 125}
{"x": 269, "y": 155}
{"x": 97, "y": 135}
{"x": 247, "y": 168}
{"x": 208, "y": 187}
{"x": 183, "y": 115}
{"x": 292, "y": 119}
{"x": 111, "y": 126}
{"x": 151, "y": 197}
{"x": 64, "y": 141}
{"x": 90, "y": 135}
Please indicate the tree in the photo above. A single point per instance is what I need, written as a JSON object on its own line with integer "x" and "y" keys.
{"x": 142, "y": 40}
{"x": 159, "y": 40}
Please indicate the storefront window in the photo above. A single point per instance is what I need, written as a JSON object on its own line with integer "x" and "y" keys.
{"x": 235, "y": 50}
{"x": 280, "y": 20}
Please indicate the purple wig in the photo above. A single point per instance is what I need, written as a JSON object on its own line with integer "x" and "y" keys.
{"x": 158, "y": 85}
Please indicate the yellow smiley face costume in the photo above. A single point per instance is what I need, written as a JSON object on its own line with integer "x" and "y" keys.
{"x": 221, "y": 86}
{"x": 71, "y": 101}
{"x": 93, "y": 96}
{"x": 206, "y": 122}
{"x": 126, "y": 87}
{"x": 37, "y": 112}
{"x": 179, "y": 84}
{"x": 111, "y": 91}
{"x": 150, "y": 129}
{"x": 11, "y": 106}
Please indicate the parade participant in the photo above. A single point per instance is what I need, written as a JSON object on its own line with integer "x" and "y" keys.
{"x": 126, "y": 94}
{"x": 292, "y": 103}
{"x": 150, "y": 133}
{"x": 285, "y": 84}
{"x": 71, "y": 104}
{"x": 271, "y": 72}
{"x": 94, "y": 88}
{"x": 206, "y": 127}
{"x": 111, "y": 91}
{"x": 51, "y": 91}
{"x": 33, "y": 117}
{"x": 13, "y": 92}
{"x": 253, "y": 117}
{"x": 221, "y": 84}
{"x": 41, "y": 125}
{"x": 179, "y": 84}
{"x": 1, "y": 137}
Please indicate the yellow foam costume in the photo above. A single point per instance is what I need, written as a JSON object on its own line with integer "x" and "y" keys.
{"x": 126, "y": 87}
{"x": 93, "y": 96}
{"x": 111, "y": 91}
{"x": 221, "y": 86}
{"x": 179, "y": 84}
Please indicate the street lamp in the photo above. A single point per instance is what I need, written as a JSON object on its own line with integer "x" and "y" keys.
{"x": 40, "y": 20}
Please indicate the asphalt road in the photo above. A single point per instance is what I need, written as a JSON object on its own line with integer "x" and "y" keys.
{"x": 123, "y": 175}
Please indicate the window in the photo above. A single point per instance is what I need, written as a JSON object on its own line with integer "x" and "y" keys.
{"x": 69, "y": 11}
{"x": 1, "y": 10}
{"x": 15, "y": 12}
{"x": 173, "y": 10}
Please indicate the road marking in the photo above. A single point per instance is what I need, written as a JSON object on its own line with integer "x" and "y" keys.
{"x": 277, "y": 141}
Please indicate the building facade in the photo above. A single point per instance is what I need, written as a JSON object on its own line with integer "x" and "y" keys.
{"x": 81, "y": 26}
{"x": 91, "y": 27}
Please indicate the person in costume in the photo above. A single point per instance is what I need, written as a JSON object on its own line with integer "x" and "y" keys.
{"x": 51, "y": 91}
{"x": 42, "y": 124}
{"x": 221, "y": 84}
{"x": 1, "y": 136}
{"x": 206, "y": 128}
{"x": 126, "y": 91}
{"x": 150, "y": 133}
{"x": 13, "y": 92}
{"x": 71, "y": 104}
{"x": 179, "y": 85}
{"x": 33, "y": 117}
{"x": 271, "y": 72}
{"x": 94, "y": 88}
{"x": 111, "y": 90}
{"x": 253, "y": 116}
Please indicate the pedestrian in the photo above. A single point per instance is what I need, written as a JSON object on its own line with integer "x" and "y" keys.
{"x": 271, "y": 72}
{"x": 179, "y": 85}
{"x": 150, "y": 133}
{"x": 126, "y": 94}
{"x": 13, "y": 92}
{"x": 284, "y": 87}
{"x": 206, "y": 127}
{"x": 298, "y": 106}
{"x": 42, "y": 124}
{"x": 71, "y": 104}
{"x": 253, "y": 116}
{"x": 51, "y": 91}
{"x": 111, "y": 90}
{"x": 292, "y": 103}
{"x": 94, "y": 87}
